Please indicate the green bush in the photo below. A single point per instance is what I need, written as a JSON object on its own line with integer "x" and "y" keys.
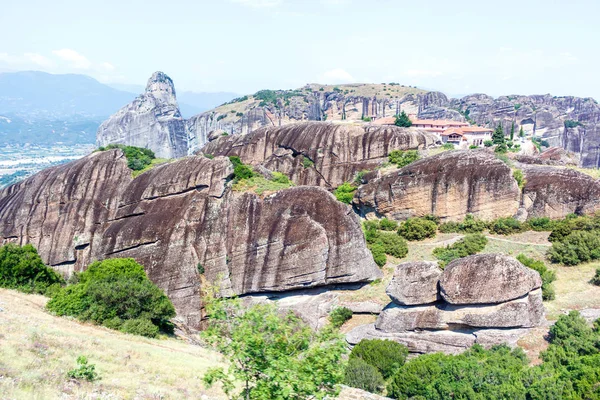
{"x": 563, "y": 228}
{"x": 433, "y": 218}
{"x": 388, "y": 225}
{"x": 403, "y": 157}
{"x": 520, "y": 178}
{"x": 448, "y": 146}
{"x": 112, "y": 292}
{"x": 240, "y": 170}
{"x": 21, "y": 268}
{"x": 339, "y": 316}
{"x": 540, "y": 224}
{"x": 469, "y": 245}
{"x": 403, "y": 120}
{"x": 137, "y": 158}
{"x": 345, "y": 192}
{"x": 488, "y": 143}
{"x": 385, "y": 355}
{"x": 371, "y": 225}
{"x": 547, "y": 275}
{"x": 507, "y": 226}
{"x": 393, "y": 244}
{"x": 596, "y": 279}
{"x": 417, "y": 229}
{"x": 378, "y": 252}
{"x": 83, "y": 371}
{"x": 469, "y": 225}
{"x": 278, "y": 177}
{"x": 139, "y": 326}
{"x": 307, "y": 162}
{"x": 362, "y": 375}
{"x": 576, "y": 248}
{"x": 473, "y": 147}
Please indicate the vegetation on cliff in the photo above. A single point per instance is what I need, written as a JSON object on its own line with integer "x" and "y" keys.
{"x": 137, "y": 158}
{"x": 116, "y": 293}
{"x": 469, "y": 245}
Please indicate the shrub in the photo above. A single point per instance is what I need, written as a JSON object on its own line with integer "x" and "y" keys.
{"x": 576, "y": 248}
{"x": 83, "y": 371}
{"x": 345, "y": 192}
{"x": 403, "y": 157}
{"x": 339, "y": 316}
{"x": 388, "y": 225}
{"x": 472, "y": 225}
{"x": 596, "y": 279}
{"x": 540, "y": 224}
{"x": 469, "y": 245}
{"x": 367, "y": 119}
{"x": 547, "y": 275}
{"x": 507, "y": 226}
{"x": 278, "y": 177}
{"x": 112, "y": 292}
{"x": 307, "y": 162}
{"x": 378, "y": 252}
{"x": 488, "y": 143}
{"x": 362, "y": 375}
{"x": 518, "y": 175}
{"x": 501, "y": 148}
{"x": 572, "y": 223}
{"x": 371, "y": 225}
{"x": 448, "y": 146}
{"x": 21, "y": 268}
{"x": 393, "y": 244}
{"x": 137, "y": 158}
{"x": 433, "y": 218}
{"x": 473, "y": 146}
{"x": 139, "y": 326}
{"x": 385, "y": 355}
{"x": 200, "y": 268}
{"x": 417, "y": 229}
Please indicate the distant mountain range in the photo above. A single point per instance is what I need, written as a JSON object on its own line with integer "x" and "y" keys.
{"x": 38, "y": 107}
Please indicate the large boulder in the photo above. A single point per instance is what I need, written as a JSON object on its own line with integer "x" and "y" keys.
{"x": 152, "y": 121}
{"x": 525, "y": 312}
{"x": 487, "y": 279}
{"x": 449, "y": 185}
{"x": 320, "y": 153}
{"x": 415, "y": 282}
{"x": 183, "y": 214}
{"x": 556, "y": 192}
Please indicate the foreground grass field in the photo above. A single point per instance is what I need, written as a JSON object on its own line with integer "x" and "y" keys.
{"x": 37, "y": 349}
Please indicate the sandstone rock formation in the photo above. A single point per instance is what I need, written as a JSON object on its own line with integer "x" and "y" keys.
{"x": 487, "y": 279}
{"x": 152, "y": 121}
{"x": 449, "y": 185}
{"x": 487, "y": 309}
{"x": 556, "y": 192}
{"x": 415, "y": 282}
{"x": 182, "y": 214}
{"x": 320, "y": 153}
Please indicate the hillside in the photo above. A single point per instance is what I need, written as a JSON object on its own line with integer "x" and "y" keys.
{"x": 37, "y": 349}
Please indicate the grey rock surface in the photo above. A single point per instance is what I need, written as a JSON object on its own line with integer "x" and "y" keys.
{"x": 415, "y": 282}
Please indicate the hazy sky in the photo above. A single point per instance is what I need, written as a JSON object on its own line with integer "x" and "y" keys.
{"x": 459, "y": 46}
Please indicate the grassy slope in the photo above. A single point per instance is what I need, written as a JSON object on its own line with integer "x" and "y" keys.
{"x": 37, "y": 349}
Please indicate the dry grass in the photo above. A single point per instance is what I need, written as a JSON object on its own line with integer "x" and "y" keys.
{"x": 37, "y": 349}
{"x": 573, "y": 289}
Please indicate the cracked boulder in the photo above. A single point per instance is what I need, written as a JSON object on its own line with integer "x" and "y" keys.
{"x": 449, "y": 185}
{"x": 487, "y": 279}
{"x": 320, "y": 153}
{"x": 415, "y": 282}
{"x": 182, "y": 215}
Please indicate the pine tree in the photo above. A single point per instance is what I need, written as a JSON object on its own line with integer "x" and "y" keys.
{"x": 521, "y": 132}
{"x": 403, "y": 120}
{"x": 498, "y": 135}
{"x": 512, "y": 131}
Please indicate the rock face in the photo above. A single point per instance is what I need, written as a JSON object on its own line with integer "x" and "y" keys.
{"x": 556, "y": 192}
{"x": 449, "y": 185}
{"x": 415, "y": 282}
{"x": 488, "y": 299}
{"x": 152, "y": 121}
{"x": 320, "y": 153}
{"x": 182, "y": 214}
{"x": 487, "y": 278}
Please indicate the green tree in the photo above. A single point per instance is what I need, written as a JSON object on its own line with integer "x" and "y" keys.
{"x": 403, "y": 120}
{"x": 403, "y": 157}
{"x": 345, "y": 192}
{"x": 498, "y": 135}
{"x": 521, "y": 132}
{"x": 417, "y": 229}
{"x": 21, "y": 268}
{"x": 512, "y": 131}
{"x": 271, "y": 355}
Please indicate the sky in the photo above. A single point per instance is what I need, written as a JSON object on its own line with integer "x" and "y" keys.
{"x": 457, "y": 47}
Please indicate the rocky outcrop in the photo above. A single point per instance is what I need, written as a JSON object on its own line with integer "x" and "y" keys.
{"x": 449, "y": 185}
{"x": 487, "y": 279}
{"x": 476, "y": 304}
{"x": 415, "y": 282}
{"x": 183, "y": 214}
{"x": 320, "y": 153}
{"x": 556, "y": 192}
{"x": 152, "y": 121}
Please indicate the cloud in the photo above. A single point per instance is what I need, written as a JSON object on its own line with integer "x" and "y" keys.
{"x": 258, "y": 3}
{"x": 336, "y": 75}
{"x": 39, "y": 59}
{"x": 107, "y": 66}
{"x": 77, "y": 60}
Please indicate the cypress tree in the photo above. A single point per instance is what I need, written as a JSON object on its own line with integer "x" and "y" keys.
{"x": 521, "y": 132}
{"x": 512, "y": 131}
{"x": 498, "y": 135}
